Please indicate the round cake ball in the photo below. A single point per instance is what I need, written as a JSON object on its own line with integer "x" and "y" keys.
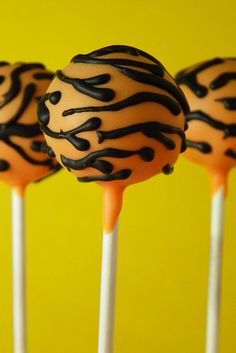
{"x": 114, "y": 115}
{"x": 210, "y": 88}
{"x": 21, "y": 141}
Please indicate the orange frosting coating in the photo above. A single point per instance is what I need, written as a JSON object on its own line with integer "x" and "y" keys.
{"x": 114, "y": 116}
{"x": 210, "y": 88}
{"x": 21, "y": 159}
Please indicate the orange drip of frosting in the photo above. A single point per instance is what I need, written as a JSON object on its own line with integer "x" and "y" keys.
{"x": 218, "y": 180}
{"x": 20, "y": 190}
{"x": 112, "y": 204}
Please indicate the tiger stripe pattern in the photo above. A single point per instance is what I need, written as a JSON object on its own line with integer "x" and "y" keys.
{"x": 210, "y": 88}
{"x": 105, "y": 100}
{"x": 21, "y": 140}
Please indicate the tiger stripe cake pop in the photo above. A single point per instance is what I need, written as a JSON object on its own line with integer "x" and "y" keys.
{"x": 21, "y": 141}
{"x": 210, "y": 89}
{"x": 22, "y": 160}
{"x": 114, "y": 116}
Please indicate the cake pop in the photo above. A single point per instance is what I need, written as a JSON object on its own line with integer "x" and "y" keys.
{"x": 21, "y": 142}
{"x": 114, "y": 116}
{"x": 22, "y": 160}
{"x": 210, "y": 89}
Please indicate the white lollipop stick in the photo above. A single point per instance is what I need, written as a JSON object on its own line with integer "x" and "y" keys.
{"x": 18, "y": 260}
{"x": 108, "y": 291}
{"x": 214, "y": 280}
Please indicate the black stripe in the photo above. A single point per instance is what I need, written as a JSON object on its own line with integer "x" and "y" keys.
{"x": 138, "y": 98}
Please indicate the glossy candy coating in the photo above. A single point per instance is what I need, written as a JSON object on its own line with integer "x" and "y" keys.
{"x": 114, "y": 115}
{"x": 21, "y": 141}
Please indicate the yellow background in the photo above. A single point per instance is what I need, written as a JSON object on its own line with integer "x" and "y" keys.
{"x": 164, "y": 226}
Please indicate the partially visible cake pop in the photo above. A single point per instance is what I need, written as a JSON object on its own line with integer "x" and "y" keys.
{"x": 22, "y": 161}
{"x": 210, "y": 88}
{"x": 21, "y": 141}
{"x": 114, "y": 116}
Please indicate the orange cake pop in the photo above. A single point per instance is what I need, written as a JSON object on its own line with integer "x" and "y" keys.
{"x": 114, "y": 116}
{"x": 210, "y": 90}
{"x": 22, "y": 161}
{"x": 21, "y": 142}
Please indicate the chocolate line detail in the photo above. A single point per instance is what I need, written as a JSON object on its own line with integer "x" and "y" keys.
{"x": 229, "y": 130}
{"x": 121, "y": 175}
{"x": 203, "y": 147}
{"x": 230, "y": 153}
{"x": 88, "y": 86}
{"x": 189, "y": 77}
{"x": 138, "y": 98}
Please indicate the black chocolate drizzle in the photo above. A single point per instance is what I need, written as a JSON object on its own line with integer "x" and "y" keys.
{"x": 155, "y": 69}
{"x": 2, "y": 78}
{"x": 4, "y": 63}
{"x": 79, "y": 143}
{"x": 91, "y": 160}
{"x": 167, "y": 169}
{"x": 15, "y": 81}
{"x": 138, "y": 98}
{"x": 43, "y": 112}
{"x": 222, "y": 80}
{"x": 229, "y": 102}
{"x": 4, "y": 165}
{"x": 203, "y": 147}
{"x": 230, "y": 153}
{"x": 149, "y": 73}
{"x": 121, "y": 175}
{"x": 150, "y": 129}
{"x": 229, "y": 130}
{"x": 188, "y": 77}
{"x": 43, "y": 75}
{"x": 47, "y": 149}
{"x": 159, "y": 82}
{"x": 87, "y": 86}
{"x": 121, "y": 49}
{"x": 39, "y": 146}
